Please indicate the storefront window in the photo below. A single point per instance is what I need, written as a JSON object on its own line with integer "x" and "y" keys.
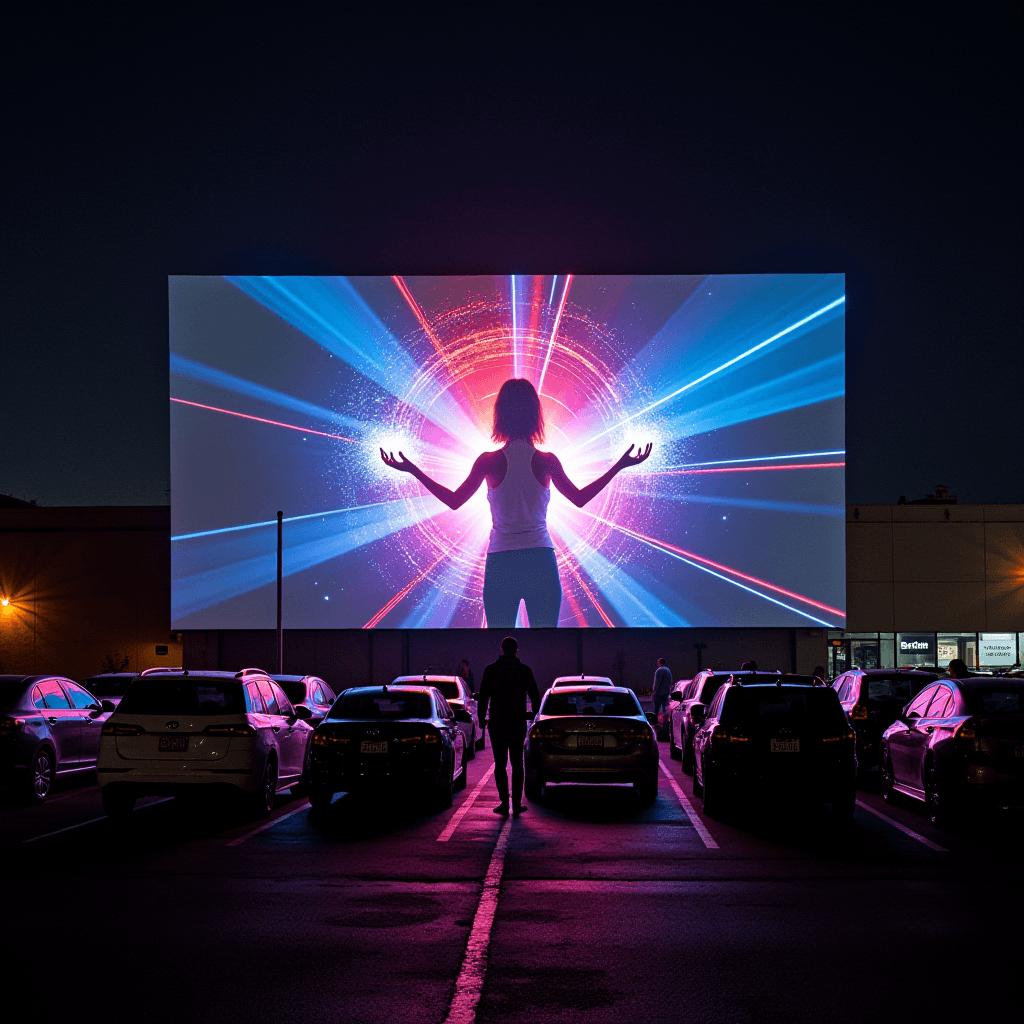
{"x": 887, "y": 650}
{"x": 997, "y": 650}
{"x": 957, "y": 645}
{"x": 915, "y": 649}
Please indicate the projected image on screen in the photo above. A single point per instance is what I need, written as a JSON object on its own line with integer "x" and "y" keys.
{"x": 575, "y": 451}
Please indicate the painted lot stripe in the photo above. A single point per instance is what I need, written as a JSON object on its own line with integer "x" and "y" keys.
{"x": 91, "y": 821}
{"x": 270, "y": 824}
{"x": 466, "y": 804}
{"x": 702, "y": 831}
{"x": 903, "y": 828}
{"x": 470, "y": 981}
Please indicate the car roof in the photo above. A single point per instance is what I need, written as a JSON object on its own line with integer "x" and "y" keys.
{"x": 17, "y": 677}
{"x": 755, "y": 678}
{"x": 602, "y": 689}
{"x": 426, "y": 678}
{"x": 888, "y": 671}
{"x": 975, "y": 682}
{"x": 278, "y": 678}
{"x": 583, "y": 679}
{"x": 782, "y": 684}
{"x": 391, "y": 687}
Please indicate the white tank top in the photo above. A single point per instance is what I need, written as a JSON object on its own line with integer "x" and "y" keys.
{"x": 519, "y": 504}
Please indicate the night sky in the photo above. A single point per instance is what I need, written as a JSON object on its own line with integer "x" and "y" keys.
{"x": 787, "y": 138}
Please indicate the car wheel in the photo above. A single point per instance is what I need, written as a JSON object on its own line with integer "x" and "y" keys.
{"x": 714, "y": 802}
{"x": 263, "y": 800}
{"x": 534, "y": 789}
{"x": 118, "y": 802}
{"x": 698, "y": 784}
{"x": 460, "y": 782}
{"x": 888, "y": 779}
{"x": 443, "y": 791}
{"x": 647, "y": 790}
{"x": 40, "y": 777}
{"x": 673, "y": 751}
{"x": 301, "y": 788}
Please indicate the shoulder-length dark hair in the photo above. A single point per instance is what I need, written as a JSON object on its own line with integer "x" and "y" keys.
{"x": 517, "y": 412}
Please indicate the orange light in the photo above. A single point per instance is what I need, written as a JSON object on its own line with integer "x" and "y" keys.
{"x": 5, "y": 601}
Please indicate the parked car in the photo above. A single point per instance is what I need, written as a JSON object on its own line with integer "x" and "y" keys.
{"x": 761, "y": 737}
{"x": 49, "y": 728}
{"x": 591, "y": 734}
{"x": 581, "y": 680}
{"x": 374, "y": 737}
{"x": 679, "y": 688}
{"x": 173, "y": 733}
{"x": 161, "y": 670}
{"x": 958, "y": 744}
{"x": 309, "y": 691}
{"x": 701, "y": 690}
{"x": 461, "y": 700}
{"x": 109, "y": 685}
{"x": 873, "y": 699}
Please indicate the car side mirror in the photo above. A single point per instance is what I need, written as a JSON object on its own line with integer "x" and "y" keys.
{"x": 675, "y": 698}
{"x": 698, "y": 711}
{"x": 107, "y": 705}
{"x": 95, "y": 710}
{"x": 301, "y": 711}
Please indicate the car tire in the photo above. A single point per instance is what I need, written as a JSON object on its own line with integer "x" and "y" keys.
{"x": 41, "y": 776}
{"x": 698, "y": 786}
{"x": 534, "y": 789}
{"x": 888, "y": 779}
{"x": 460, "y": 783}
{"x": 262, "y": 802}
{"x": 470, "y": 752}
{"x": 686, "y": 756}
{"x": 118, "y": 802}
{"x": 646, "y": 791}
{"x": 301, "y": 788}
{"x": 443, "y": 791}
{"x": 673, "y": 751}
{"x": 714, "y": 803}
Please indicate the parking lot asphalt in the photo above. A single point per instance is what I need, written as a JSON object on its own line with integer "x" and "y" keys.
{"x": 588, "y": 907}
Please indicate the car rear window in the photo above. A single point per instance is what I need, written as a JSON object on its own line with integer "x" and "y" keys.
{"x": 294, "y": 691}
{"x": 161, "y": 696}
{"x": 711, "y": 686}
{"x": 394, "y": 704}
{"x": 107, "y": 687}
{"x": 882, "y": 689}
{"x": 590, "y": 703}
{"x": 818, "y": 707}
{"x": 994, "y": 701}
{"x": 450, "y": 690}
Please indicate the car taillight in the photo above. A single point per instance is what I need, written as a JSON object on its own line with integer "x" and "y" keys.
{"x": 848, "y": 735}
{"x": 859, "y": 712}
{"x": 11, "y": 725}
{"x": 121, "y": 729}
{"x": 323, "y": 739}
{"x": 639, "y": 733}
{"x": 229, "y": 730}
{"x": 546, "y": 732}
{"x": 967, "y": 731}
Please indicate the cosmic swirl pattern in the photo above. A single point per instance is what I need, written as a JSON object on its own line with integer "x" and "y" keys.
{"x": 284, "y": 389}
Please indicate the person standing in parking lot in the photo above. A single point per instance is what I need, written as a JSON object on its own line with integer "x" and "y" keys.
{"x": 505, "y": 685}
{"x": 467, "y": 674}
{"x": 958, "y": 669}
{"x": 662, "y": 686}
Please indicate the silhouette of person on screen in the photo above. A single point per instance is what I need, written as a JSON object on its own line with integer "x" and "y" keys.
{"x": 520, "y": 556}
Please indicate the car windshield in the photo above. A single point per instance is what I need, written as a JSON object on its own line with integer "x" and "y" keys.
{"x": 882, "y": 689}
{"x": 450, "y": 690}
{"x": 10, "y": 693}
{"x": 156, "y": 695}
{"x": 817, "y": 708}
{"x": 108, "y": 687}
{"x": 574, "y": 681}
{"x": 590, "y": 703}
{"x": 375, "y": 704}
{"x": 294, "y": 691}
{"x": 993, "y": 700}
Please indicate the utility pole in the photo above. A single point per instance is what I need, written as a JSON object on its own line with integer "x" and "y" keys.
{"x": 280, "y": 574}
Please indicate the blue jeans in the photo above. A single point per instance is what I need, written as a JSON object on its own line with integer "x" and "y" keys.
{"x": 660, "y": 702}
{"x": 530, "y": 575}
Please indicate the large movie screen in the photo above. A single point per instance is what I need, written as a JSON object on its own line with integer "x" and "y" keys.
{"x": 508, "y": 451}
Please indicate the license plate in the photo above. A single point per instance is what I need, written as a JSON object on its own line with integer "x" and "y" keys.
{"x": 174, "y": 744}
{"x": 589, "y": 741}
{"x": 373, "y": 747}
{"x": 785, "y": 746}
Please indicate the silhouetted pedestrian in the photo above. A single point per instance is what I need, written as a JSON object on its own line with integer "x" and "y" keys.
{"x": 662, "y": 686}
{"x": 505, "y": 685}
{"x": 819, "y": 673}
{"x": 467, "y": 674}
{"x": 958, "y": 669}
{"x": 749, "y": 666}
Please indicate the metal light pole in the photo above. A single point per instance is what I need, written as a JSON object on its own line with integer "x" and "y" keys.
{"x": 280, "y": 566}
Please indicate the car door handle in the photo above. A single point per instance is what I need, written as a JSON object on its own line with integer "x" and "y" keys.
{"x": 53, "y": 720}
{"x": 276, "y": 728}
{"x": 928, "y": 728}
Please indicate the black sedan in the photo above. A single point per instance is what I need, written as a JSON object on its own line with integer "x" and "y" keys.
{"x": 49, "y": 727}
{"x": 873, "y": 699}
{"x": 404, "y": 737}
{"x": 760, "y": 738}
{"x": 958, "y": 744}
{"x": 309, "y": 691}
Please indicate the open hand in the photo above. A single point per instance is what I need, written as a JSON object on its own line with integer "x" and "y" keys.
{"x": 402, "y": 464}
{"x": 628, "y": 459}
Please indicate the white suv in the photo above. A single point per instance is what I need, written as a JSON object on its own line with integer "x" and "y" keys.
{"x": 175, "y": 731}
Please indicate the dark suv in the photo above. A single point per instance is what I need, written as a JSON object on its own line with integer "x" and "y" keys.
{"x": 760, "y": 738}
{"x": 873, "y": 699}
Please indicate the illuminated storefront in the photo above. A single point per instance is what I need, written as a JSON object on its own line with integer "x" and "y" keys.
{"x": 979, "y": 651}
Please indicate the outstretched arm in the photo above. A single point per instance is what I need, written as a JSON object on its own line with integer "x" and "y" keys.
{"x": 580, "y": 496}
{"x": 453, "y": 499}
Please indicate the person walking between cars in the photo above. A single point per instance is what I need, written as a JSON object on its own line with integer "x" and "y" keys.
{"x": 505, "y": 685}
{"x": 662, "y": 686}
{"x": 467, "y": 674}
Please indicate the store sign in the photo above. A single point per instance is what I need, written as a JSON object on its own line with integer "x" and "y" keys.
{"x": 997, "y": 649}
{"x": 918, "y": 647}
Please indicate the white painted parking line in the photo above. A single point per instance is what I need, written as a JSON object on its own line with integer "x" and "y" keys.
{"x": 269, "y": 824}
{"x": 698, "y": 825}
{"x": 903, "y": 828}
{"x": 470, "y": 981}
{"x": 91, "y": 821}
{"x": 466, "y": 804}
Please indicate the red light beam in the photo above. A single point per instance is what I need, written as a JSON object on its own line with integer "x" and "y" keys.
{"x": 260, "y": 419}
